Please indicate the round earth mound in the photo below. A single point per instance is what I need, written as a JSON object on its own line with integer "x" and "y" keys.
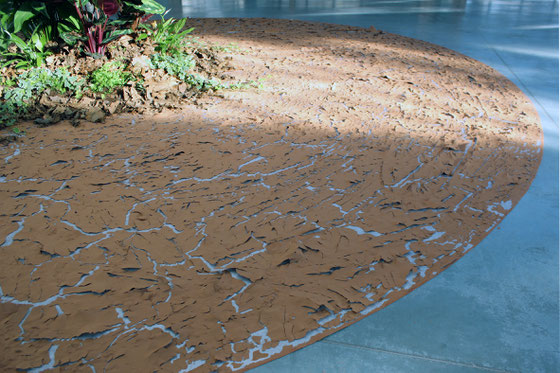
{"x": 229, "y": 233}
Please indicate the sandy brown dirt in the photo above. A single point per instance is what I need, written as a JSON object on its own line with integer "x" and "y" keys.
{"x": 238, "y": 230}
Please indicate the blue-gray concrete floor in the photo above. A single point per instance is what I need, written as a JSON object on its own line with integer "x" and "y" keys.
{"x": 496, "y": 309}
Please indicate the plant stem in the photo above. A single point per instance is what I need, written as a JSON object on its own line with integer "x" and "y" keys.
{"x": 91, "y": 41}
{"x": 101, "y": 32}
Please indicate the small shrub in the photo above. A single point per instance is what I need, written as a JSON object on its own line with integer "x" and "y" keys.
{"x": 177, "y": 65}
{"x": 34, "y": 81}
{"x": 169, "y": 35}
{"x": 27, "y": 27}
{"x": 109, "y": 77}
{"x": 31, "y": 83}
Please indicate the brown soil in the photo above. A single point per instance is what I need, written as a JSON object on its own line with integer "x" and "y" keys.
{"x": 259, "y": 221}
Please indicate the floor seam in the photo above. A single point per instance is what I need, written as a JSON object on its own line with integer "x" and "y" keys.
{"x": 529, "y": 92}
{"x": 436, "y": 360}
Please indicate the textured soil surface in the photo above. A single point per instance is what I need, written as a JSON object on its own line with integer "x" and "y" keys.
{"x": 258, "y": 221}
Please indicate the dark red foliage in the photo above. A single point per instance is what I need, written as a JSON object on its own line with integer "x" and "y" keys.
{"x": 110, "y": 7}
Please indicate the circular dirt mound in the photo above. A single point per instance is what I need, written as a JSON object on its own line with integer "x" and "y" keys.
{"x": 259, "y": 221}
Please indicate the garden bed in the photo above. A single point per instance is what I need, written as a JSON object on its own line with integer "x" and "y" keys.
{"x": 126, "y": 80}
{"x": 223, "y": 234}
{"x": 139, "y": 67}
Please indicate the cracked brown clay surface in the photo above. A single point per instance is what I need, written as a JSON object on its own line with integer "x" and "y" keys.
{"x": 259, "y": 221}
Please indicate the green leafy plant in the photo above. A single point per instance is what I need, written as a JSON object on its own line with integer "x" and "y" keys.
{"x": 109, "y": 77}
{"x": 181, "y": 65}
{"x": 36, "y": 80}
{"x": 9, "y": 112}
{"x": 134, "y": 12}
{"x": 168, "y": 35}
{"x": 231, "y": 47}
{"x": 100, "y": 30}
{"x": 28, "y": 26}
{"x": 29, "y": 17}
{"x": 178, "y": 65}
{"x": 203, "y": 84}
{"x": 30, "y": 53}
{"x": 17, "y": 131}
{"x": 94, "y": 16}
{"x": 33, "y": 82}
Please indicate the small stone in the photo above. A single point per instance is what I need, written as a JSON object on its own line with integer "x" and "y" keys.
{"x": 95, "y": 115}
{"x": 58, "y": 110}
{"x": 141, "y": 62}
{"x": 84, "y": 103}
{"x": 113, "y": 107}
{"x": 46, "y": 120}
{"x": 375, "y": 31}
{"x": 132, "y": 97}
{"x": 8, "y": 138}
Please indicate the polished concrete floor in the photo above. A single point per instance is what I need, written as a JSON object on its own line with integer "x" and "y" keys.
{"x": 496, "y": 309}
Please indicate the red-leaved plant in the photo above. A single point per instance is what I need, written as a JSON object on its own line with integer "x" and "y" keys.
{"x": 32, "y": 25}
{"x": 105, "y": 20}
{"x": 110, "y": 7}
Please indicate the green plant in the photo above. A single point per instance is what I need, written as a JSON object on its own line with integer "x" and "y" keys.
{"x": 177, "y": 65}
{"x": 231, "y": 47}
{"x": 30, "y": 53}
{"x": 134, "y": 12}
{"x": 203, "y": 84}
{"x": 27, "y": 28}
{"x": 32, "y": 83}
{"x": 8, "y": 113}
{"x": 168, "y": 35}
{"x": 28, "y": 17}
{"x": 99, "y": 29}
{"x": 109, "y": 77}
{"x": 28, "y": 35}
{"x": 180, "y": 65}
{"x": 36, "y": 80}
{"x": 94, "y": 16}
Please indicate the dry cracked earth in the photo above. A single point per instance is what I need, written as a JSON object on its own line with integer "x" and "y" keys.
{"x": 256, "y": 222}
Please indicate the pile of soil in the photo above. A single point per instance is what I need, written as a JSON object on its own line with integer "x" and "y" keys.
{"x": 237, "y": 230}
{"x": 160, "y": 90}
